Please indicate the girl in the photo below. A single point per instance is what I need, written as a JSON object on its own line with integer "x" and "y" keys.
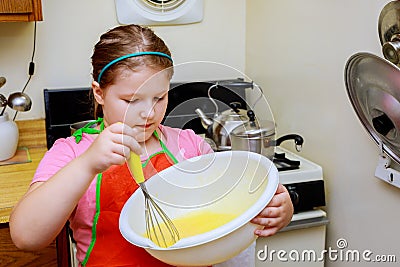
{"x": 132, "y": 68}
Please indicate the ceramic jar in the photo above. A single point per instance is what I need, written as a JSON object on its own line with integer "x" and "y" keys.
{"x": 9, "y": 136}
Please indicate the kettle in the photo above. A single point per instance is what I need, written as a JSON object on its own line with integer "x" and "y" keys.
{"x": 220, "y": 127}
{"x": 259, "y": 137}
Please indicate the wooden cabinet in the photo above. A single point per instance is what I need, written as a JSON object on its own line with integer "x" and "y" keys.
{"x": 20, "y": 10}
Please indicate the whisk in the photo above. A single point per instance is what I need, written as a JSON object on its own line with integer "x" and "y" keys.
{"x": 159, "y": 227}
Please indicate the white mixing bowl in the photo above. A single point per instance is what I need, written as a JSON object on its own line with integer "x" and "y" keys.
{"x": 231, "y": 182}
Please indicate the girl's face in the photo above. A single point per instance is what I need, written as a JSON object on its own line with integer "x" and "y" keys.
{"x": 138, "y": 99}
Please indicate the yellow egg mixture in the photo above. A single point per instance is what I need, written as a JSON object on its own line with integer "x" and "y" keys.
{"x": 192, "y": 224}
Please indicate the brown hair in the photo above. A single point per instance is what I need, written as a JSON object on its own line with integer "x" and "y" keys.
{"x": 123, "y": 40}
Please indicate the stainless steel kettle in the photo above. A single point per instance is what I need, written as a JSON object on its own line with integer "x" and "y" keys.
{"x": 220, "y": 127}
{"x": 259, "y": 137}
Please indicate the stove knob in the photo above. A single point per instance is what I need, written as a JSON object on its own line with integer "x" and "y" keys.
{"x": 294, "y": 196}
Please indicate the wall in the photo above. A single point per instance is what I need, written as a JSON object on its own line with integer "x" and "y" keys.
{"x": 296, "y": 51}
{"x": 70, "y": 29}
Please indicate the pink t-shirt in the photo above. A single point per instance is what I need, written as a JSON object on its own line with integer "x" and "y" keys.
{"x": 183, "y": 144}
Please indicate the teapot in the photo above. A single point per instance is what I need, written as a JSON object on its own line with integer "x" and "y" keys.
{"x": 259, "y": 137}
{"x": 219, "y": 128}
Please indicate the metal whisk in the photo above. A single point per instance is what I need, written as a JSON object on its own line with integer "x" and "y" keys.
{"x": 159, "y": 227}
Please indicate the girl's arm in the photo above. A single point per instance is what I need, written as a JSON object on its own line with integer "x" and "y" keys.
{"x": 40, "y": 215}
{"x": 43, "y": 211}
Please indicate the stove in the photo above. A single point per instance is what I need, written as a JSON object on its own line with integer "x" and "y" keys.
{"x": 302, "y": 178}
{"x": 307, "y": 230}
{"x": 283, "y": 163}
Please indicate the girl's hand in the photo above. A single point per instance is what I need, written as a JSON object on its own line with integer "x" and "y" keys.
{"x": 111, "y": 147}
{"x": 276, "y": 215}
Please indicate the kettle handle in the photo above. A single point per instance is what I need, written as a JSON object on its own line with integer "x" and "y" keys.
{"x": 298, "y": 140}
{"x": 235, "y": 106}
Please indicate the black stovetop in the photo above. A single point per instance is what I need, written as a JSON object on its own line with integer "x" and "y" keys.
{"x": 282, "y": 163}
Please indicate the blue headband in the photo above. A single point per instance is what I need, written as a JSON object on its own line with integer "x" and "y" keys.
{"x": 128, "y": 56}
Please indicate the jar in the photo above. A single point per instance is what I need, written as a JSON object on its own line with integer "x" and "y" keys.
{"x": 9, "y": 136}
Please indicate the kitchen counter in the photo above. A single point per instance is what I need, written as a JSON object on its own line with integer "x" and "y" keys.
{"x": 15, "y": 178}
{"x": 14, "y": 182}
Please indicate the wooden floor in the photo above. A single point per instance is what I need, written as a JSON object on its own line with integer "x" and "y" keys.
{"x": 12, "y": 256}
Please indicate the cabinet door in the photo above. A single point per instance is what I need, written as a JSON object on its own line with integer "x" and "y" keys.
{"x": 21, "y": 10}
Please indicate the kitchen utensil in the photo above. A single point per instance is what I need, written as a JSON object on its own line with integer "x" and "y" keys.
{"x": 3, "y": 101}
{"x": 259, "y": 137}
{"x": 373, "y": 88}
{"x": 3, "y": 104}
{"x": 2, "y": 81}
{"x": 159, "y": 227}
{"x": 230, "y": 182}
{"x": 219, "y": 127}
{"x": 19, "y": 101}
{"x": 389, "y": 31}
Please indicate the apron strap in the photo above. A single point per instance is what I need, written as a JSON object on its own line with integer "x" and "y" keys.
{"x": 88, "y": 129}
{"x": 165, "y": 149}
